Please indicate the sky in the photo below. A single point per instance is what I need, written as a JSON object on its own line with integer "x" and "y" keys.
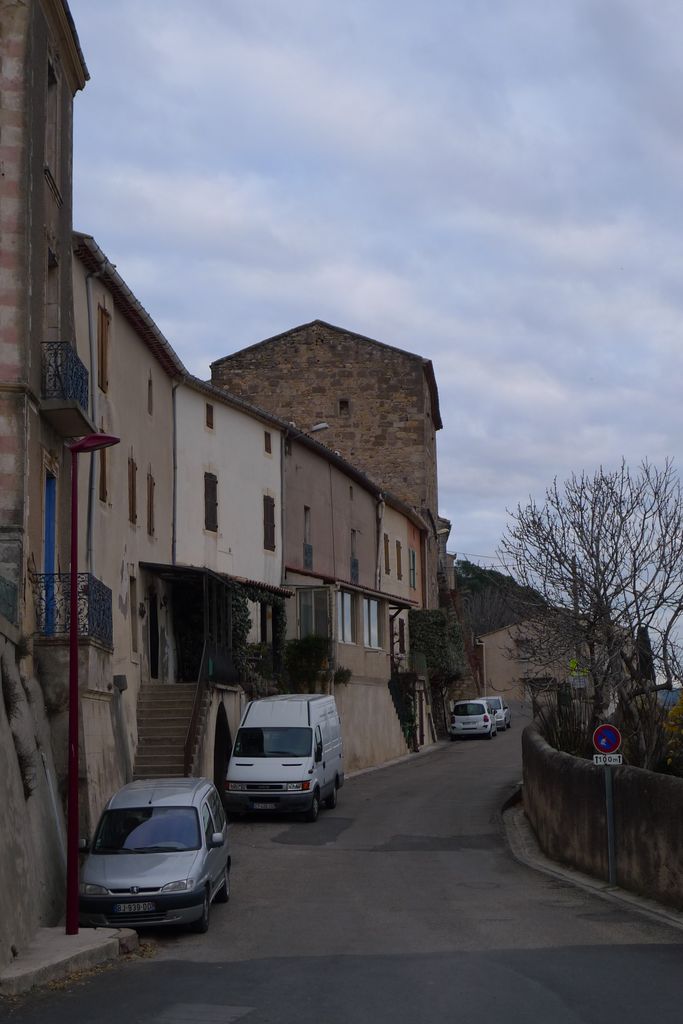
{"x": 496, "y": 185}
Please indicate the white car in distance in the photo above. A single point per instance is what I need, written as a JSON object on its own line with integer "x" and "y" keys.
{"x": 502, "y": 711}
{"x": 472, "y": 718}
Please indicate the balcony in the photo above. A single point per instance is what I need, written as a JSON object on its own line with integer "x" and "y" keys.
{"x": 52, "y": 595}
{"x": 64, "y": 401}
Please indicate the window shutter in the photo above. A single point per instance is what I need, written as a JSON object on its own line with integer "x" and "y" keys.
{"x": 268, "y": 523}
{"x": 211, "y": 502}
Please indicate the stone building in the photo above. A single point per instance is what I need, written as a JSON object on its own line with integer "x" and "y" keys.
{"x": 43, "y": 403}
{"x": 380, "y": 404}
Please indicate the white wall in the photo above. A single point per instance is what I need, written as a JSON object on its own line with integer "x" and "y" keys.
{"x": 234, "y": 450}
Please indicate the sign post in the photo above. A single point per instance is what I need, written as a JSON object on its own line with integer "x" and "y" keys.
{"x": 607, "y": 740}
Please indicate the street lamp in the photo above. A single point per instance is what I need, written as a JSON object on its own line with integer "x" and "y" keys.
{"x": 90, "y": 443}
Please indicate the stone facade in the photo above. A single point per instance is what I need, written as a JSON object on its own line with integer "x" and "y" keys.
{"x": 380, "y": 404}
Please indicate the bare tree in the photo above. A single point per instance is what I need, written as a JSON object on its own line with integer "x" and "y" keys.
{"x": 605, "y": 555}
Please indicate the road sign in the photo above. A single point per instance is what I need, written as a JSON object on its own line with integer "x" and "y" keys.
{"x": 606, "y": 739}
{"x": 608, "y": 759}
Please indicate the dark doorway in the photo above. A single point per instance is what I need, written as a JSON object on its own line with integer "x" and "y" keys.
{"x": 153, "y": 635}
{"x": 222, "y": 748}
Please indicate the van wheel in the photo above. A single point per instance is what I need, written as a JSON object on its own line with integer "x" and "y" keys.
{"x": 202, "y": 925}
{"x": 314, "y": 810}
{"x": 331, "y": 801}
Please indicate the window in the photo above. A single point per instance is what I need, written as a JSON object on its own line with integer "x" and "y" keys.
{"x": 344, "y": 407}
{"x": 209, "y": 415}
{"x": 103, "y": 326}
{"x": 267, "y": 442}
{"x": 399, "y": 566}
{"x": 211, "y": 502}
{"x": 401, "y": 636}
{"x": 132, "y": 490}
{"x": 313, "y": 613}
{"x": 53, "y": 124}
{"x": 207, "y": 823}
{"x": 217, "y": 810}
{"x": 308, "y": 547}
{"x": 387, "y": 564}
{"x": 346, "y": 608}
{"x": 371, "y": 622}
{"x": 354, "y": 547}
{"x": 133, "y": 597}
{"x": 268, "y": 523}
{"x": 150, "y": 503}
{"x": 412, "y": 568}
{"x": 150, "y": 395}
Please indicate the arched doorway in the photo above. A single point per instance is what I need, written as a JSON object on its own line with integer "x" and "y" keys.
{"x": 222, "y": 747}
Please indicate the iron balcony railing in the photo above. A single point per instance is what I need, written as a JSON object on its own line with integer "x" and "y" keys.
{"x": 52, "y": 593}
{"x": 64, "y": 375}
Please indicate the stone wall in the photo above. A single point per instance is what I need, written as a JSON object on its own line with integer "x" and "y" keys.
{"x": 564, "y": 799}
{"x": 32, "y": 850}
{"x": 374, "y": 398}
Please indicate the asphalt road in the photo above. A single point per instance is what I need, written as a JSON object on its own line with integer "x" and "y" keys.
{"x": 402, "y": 905}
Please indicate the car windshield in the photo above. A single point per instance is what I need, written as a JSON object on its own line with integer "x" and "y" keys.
{"x": 467, "y": 710}
{"x": 495, "y": 702}
{"x": 273, "y": 742}
{"x": 148, "y": 830}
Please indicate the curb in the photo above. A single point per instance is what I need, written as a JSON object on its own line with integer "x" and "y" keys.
{"x": 524, "y": 847}
{"x": 52, "y": 956}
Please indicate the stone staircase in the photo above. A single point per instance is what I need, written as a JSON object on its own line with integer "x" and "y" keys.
{"x": 164, "y": 713}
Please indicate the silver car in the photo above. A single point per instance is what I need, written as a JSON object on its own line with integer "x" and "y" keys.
{"x": 160, "y": 856}
{"x": 502, "y": 712}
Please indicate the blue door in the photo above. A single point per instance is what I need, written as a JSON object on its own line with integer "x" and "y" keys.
{"x": 49, "y": 551}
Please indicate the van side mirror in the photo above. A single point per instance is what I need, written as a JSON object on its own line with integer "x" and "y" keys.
{"x": 83, "y": 845}
{"x": 217, "y": 839}
{"x": 318, "y": 752}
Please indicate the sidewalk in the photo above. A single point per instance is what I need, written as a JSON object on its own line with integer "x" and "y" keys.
{"x": 524, "y": 847}
{"x": 52, "y": 955}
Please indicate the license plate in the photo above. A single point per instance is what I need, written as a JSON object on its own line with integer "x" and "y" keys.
{"x": 260, "y": 805}
{"x": 133, "y": 908}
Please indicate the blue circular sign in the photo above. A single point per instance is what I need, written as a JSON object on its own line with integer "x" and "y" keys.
{"x": 606, "y": 739}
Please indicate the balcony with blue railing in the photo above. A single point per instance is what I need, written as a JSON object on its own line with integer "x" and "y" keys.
{"x": 64, "y": 401}
{"x": 52, "y": 596}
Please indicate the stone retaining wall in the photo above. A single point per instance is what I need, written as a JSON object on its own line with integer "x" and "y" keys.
{"x": 564, "y": 799}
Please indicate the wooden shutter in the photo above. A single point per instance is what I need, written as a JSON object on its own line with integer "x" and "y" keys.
{"x": 268, "y": 523}
{"x": 387, "y": 566}
{"x": 399, "y": 566}
{"x": 132, "y": 490}
{"x": 210, "y": 502}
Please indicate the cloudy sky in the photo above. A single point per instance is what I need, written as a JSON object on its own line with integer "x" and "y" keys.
{"x": 494, "y": 184}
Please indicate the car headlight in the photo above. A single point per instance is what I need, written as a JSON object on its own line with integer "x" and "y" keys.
{"x": 237, "y": 786}
{"x": 90, "y": 889}
{"x": 183, "y": 885}
{"x": 293, "y": 787}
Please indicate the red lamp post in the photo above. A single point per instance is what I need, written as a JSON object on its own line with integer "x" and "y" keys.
{"x": 90, "y": 443}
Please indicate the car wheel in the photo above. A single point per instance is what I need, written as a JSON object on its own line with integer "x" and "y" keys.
{"x": 490, "y": 734}
{"x": 223, "y": 894}
{"x": 314, "y": 810}
{"x": 202, "y": 925}
{"x": 331, "y": 801}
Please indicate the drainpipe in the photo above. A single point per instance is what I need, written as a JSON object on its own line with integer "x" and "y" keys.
{"x": 380, "y": 521}
{"x": 93, "y": 414}
{"x": 174, "y": 511}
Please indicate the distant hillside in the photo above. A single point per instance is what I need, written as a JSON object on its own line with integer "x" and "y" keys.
{"x": 489, "y": 599}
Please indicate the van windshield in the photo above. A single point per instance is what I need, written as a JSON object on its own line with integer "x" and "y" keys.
{"x": 273, "y": 742}
{"x": 147, "y": 830}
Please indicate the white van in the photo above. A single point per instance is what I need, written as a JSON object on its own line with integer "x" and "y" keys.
{"x": 287, "y": 756}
